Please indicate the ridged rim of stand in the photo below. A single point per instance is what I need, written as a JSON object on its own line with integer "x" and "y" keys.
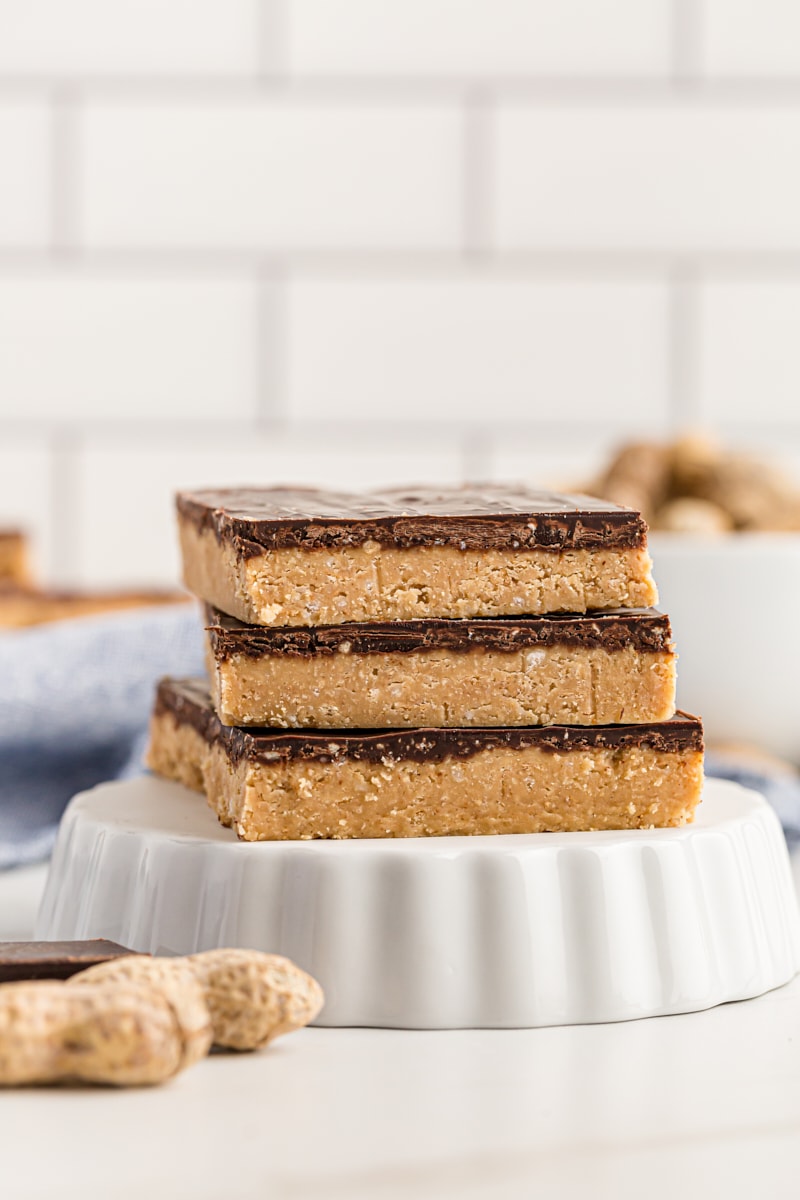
{"x": 445, "y": 933}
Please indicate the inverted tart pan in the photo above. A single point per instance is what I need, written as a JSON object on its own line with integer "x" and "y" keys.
{"x": 446, "y": 933}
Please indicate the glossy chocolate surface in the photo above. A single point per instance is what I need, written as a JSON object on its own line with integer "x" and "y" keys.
{"x": 488, "y": 517}
{"x": 644, "y": 629}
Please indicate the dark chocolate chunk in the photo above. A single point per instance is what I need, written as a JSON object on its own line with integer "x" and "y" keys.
{"x": 643, "y": 629}
{"x": 189, "y": 702}
{"x": 54, "y": 960}
{"x": 469, "y": 518}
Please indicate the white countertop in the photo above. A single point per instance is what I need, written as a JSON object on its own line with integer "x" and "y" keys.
{"x": 706, "y": 1104}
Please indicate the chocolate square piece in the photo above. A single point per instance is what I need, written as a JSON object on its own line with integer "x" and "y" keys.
{"x": 54, "y": 960}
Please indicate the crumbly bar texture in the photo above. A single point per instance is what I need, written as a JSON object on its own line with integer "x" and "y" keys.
{"x": 610, "y": 668}
{"x": 307, "y": 558}
{"x": 417, "y": 783}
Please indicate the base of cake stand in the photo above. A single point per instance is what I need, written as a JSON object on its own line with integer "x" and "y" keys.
{"x": 446, "y": 933}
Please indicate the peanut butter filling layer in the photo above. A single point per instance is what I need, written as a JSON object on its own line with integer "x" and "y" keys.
{"x": 540, "y": 685}
{"x": 292, "y": 586}
{"x": 428, "y": 782}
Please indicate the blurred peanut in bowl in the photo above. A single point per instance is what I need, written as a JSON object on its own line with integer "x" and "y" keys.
{"x": 725, "y": 542}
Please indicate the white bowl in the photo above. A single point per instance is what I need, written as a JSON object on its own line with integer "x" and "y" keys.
{"x": 733, "y": 601}
{"x": 446, "y": 933}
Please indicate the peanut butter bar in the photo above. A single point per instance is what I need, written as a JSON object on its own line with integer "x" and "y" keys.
{"x": 559, "y": 669}
{"x": 272, "y": 786}
{"x": 278, "y": 556}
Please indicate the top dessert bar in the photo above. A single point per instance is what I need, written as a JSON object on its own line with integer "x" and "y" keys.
{"x": 287, "y": 556}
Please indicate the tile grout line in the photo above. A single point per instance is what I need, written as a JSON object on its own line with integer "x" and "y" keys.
{"x": 271, "y": 337}
{"x": 474, "y": 448}
{"x": 65, "y": 532}
{"x": 476, "y": 456}
{"x": 687, "y": 42}
{"x": 273, "y": 41}
{"x": 64, "y": 186}
{"x": 141, "y": 432}
{"x": 419, "y": 91}
{"x": 477, "y": 167}
{"x": 598, "y": 266}
{"x": 682, "y": 352}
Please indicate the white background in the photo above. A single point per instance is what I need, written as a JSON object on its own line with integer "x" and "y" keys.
{"x": 341, "y": 241}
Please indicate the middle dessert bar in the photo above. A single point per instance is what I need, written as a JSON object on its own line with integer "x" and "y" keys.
{"x": 272, "y": 785}
{"x": 600, "y": 669}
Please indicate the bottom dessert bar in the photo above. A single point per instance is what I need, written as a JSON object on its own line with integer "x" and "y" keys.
{"x": 271, "y": 785}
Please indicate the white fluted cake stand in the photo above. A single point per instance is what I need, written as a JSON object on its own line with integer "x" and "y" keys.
{"x": 446, "y": 933}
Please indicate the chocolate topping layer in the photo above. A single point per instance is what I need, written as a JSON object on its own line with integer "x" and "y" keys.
{"x": 644, "y": 629}
{"x": 471, "y": 518}
{"x": 189, "y": 703}
{"x": 54, "y": 960}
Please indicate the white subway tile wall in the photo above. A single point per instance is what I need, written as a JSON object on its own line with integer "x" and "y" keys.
{"x": 750, "y": 333}
{"x": 77, "y": 38}
{"x": 480, "y": 38}
{"x": 666, "y": 175}
{"x": 344, "y": 242}
{"x": 281, "y": 174}
{"x": 26, "y": 173}
{"x": 26, "y": 500}
{"x": 751, "y": 37}
{"x": 122, "y": 348}
{"x": 475, "y": 349}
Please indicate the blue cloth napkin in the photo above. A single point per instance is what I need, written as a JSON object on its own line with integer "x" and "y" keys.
{"x": 75, "y": 698}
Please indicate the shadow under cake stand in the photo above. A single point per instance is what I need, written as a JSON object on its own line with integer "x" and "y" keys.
{"x": 445, "y": 933}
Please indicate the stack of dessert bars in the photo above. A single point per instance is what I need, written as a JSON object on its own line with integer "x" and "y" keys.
{"x": 419, "y": 662}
